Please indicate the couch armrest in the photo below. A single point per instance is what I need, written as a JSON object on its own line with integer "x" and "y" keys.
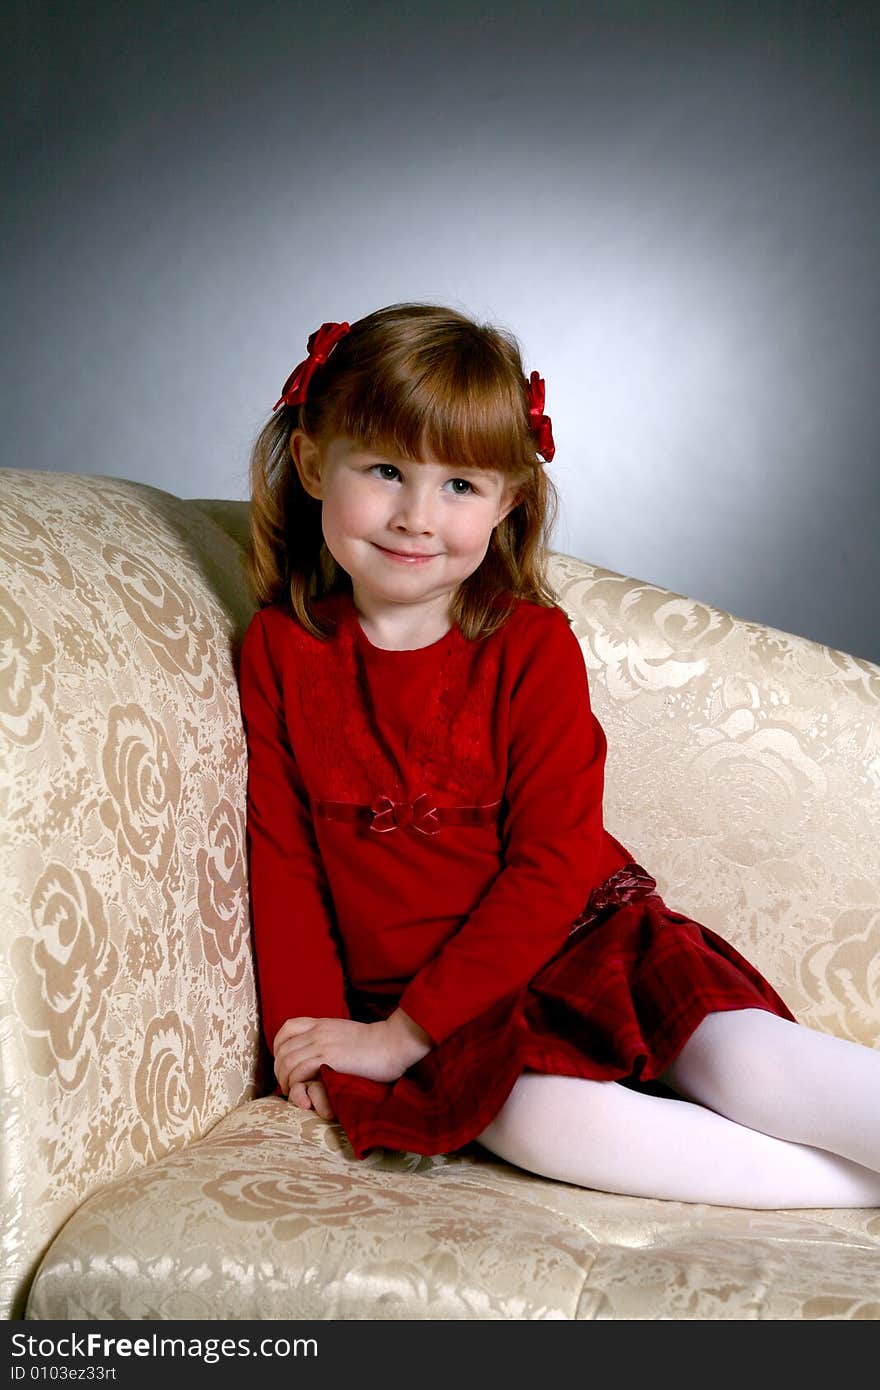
{"x": 127, "y": 976}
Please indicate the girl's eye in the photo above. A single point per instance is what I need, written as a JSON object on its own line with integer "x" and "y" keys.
{"x": 391, "y": 467}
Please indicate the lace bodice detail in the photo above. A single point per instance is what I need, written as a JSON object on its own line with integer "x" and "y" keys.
{"x": 446, "y": 753}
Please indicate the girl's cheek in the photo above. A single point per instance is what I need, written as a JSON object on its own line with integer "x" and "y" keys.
{"x": 358, "y": 505}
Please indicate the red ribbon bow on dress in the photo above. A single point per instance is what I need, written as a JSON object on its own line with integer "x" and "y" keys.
{"x": 420, "y": 814}
{"x": 625, "y": 885}
{"x": 540, "y": 422}
{"x": 320, "y": 345}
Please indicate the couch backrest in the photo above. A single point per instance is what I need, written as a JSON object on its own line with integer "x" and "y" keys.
{"x": 743, "y": 772}
{"x": 130, "y": 1021}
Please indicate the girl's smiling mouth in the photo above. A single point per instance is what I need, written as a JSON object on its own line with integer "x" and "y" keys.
{"x": 412, "y": 557}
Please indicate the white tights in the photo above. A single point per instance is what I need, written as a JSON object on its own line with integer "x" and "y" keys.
{"x": 774, "y": 1114}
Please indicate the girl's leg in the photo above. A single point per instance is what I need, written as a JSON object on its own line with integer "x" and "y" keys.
{"x": 603, "y": 1135}
{"x": 784, "y": 1079}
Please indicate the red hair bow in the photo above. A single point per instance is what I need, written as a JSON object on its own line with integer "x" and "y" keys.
{"x": 541, "y": 426}
{"x": 320, "y": 345}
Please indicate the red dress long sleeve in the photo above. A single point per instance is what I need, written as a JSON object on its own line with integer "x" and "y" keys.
{"x": 298, "y": 966}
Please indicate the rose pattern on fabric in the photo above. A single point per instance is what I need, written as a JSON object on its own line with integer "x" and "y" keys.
{"x": 841, "y": 976}
{"x": 481, "y": 1239}
{"x": 223, "y": 897}
{"x": 860, "y": 676}
{"x": 69, "y": 653}
{"x": 286, "y": 1199}
{"x": 26, "y": 544}
{"x": 79, "y": 646}
{"x": 65, "y": 973}
{"x": 143, "y": 779}
{"x": 842, "y": 1308}
{"x": 27, "y": 683}
{"x": 146, "y": 954}
{"x": 178, "y": 633}
{"x": 169, "y": 1087}
{"x": 754, "y": 769}
{"x": 643, "y": 638}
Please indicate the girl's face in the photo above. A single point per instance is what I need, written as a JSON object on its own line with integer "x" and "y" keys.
{"x": 403, "y": 531}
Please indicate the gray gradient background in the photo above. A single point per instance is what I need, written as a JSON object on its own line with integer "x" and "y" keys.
{"x": 673, "y": 206}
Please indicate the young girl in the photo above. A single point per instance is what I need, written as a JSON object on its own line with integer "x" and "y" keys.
{"x": 450, "y": 946}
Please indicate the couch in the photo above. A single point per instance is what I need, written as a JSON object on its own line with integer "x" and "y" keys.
{"x": 148, "y": 1170}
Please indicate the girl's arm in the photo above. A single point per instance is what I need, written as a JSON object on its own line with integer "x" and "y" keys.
{"x": 552, "y": 839}
{"x": 298, "y": 965}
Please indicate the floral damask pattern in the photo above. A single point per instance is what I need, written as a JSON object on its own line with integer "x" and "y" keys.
{"x": 26, "y": 545}
{"x": 223, "y": 901}
{"x": 841, "y": 976}
{"x": 169, "y": 1087}
{"x": 283, "y": 1198}
{"x": 269, "y": 1217}
{"x": 743, "y": 770}
{"x": 65, "y": 971}
{"x": 126, "y": 969}
{"x": 178, "y": 632}
{"x": 143, "y": 779}
{"x": 26, "y": 660}
{"x": 743, "y": 767}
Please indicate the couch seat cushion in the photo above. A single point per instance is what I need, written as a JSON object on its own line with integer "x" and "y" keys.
{"x": 270, "y": 1216}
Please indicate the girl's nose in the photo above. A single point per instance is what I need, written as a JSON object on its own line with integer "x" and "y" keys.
{"x": 414, "y": 510}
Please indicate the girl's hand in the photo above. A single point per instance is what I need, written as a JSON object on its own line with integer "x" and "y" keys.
{"x": 312, "y": 1095}
{"x": 374, "y": 1050}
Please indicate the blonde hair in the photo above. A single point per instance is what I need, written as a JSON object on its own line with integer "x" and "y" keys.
{"x": 408, "y": 378}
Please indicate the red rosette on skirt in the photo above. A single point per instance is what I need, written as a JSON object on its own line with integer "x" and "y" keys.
{"x": 617, "y": 1002}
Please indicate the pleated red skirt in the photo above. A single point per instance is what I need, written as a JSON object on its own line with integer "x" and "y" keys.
{"x": 616, "y": 1003}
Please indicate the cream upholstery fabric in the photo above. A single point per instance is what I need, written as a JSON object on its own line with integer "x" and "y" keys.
{"x": 129, "y": 1012}
{"x": 272, "y": 1217}
{"x": 743, "y": 772}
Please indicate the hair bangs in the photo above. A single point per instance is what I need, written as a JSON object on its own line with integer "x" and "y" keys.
{"x": 467, "y": 409}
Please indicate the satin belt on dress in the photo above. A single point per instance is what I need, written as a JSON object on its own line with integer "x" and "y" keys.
{"x": 625, "y": 885}
{"x": 385, "y": 814}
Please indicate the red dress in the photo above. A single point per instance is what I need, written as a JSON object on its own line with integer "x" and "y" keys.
{"x": 425, "y": 830}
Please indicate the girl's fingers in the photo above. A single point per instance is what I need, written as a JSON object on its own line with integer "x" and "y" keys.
{"x": 317, "y": 1093}
{"x": 290, "y": 1028}
{"x": 312, "y": 1095}
{"x": 299, "y": 1094}
{"x": 299, "y": 1064}
{"x": 295, "y": 1049}
{"x": 298, "y": 1067}
{"x": 302, "y": 1075}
